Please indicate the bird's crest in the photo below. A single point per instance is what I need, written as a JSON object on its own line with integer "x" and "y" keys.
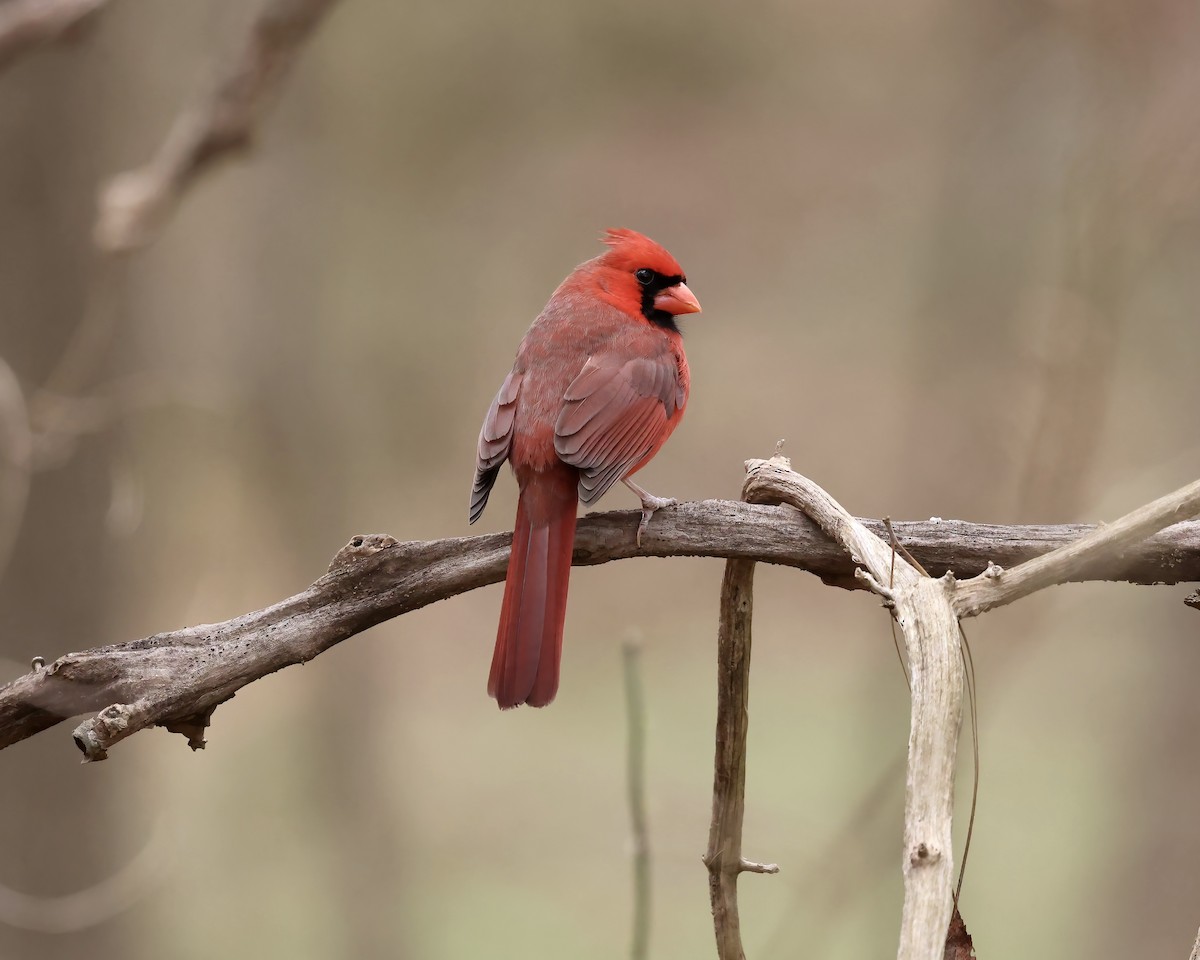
{"x": 632, "y": 249}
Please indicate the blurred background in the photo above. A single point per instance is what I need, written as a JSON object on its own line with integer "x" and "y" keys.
{"x": 947, "y": 251}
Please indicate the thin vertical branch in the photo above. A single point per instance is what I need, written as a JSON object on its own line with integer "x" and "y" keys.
{"x": 635, "y": 715}
{"x": 724, "y": 857}
{"x": 926, "y": 616}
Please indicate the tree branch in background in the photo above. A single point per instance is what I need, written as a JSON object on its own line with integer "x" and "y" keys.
{"x": 16, "y": 461}
{"x": 135, "y": 205}
{"x": 724, "y": 857}
{"x": 176, "y": 679}
{"x": 25, "y": 24}
{"x": 635, "y": 721}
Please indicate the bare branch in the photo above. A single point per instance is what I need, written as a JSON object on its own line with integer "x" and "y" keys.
{"x": 923, "y": 609}
{"x": 928, "y": 611}
{"x": 982, "y": 593}
{"x": 176, "y": 678}
{"x": 135, "y": 204}
{"x": 724, "y": 857}
{"x": 635, "y": 713}
{"x": 25, "y": 24}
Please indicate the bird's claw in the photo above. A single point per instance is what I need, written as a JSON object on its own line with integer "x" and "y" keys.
{"x": 650, "y": 503}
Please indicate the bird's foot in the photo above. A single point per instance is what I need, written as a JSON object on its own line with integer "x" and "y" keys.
{"x": 650, "y": 503}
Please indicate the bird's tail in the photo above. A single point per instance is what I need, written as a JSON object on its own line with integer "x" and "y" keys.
{"x": 529, "y": 641}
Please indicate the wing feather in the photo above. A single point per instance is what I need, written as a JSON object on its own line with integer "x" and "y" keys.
{"x": 614, "y": 412}
{"x": 495, "y": 442}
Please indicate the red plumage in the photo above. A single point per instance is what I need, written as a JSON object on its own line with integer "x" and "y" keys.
{"x": 599, "y": 383}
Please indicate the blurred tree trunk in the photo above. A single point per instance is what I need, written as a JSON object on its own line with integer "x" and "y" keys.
{"x": 57, "y": 590}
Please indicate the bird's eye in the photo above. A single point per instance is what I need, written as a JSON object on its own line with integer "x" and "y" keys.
{"x": 644, "y": 276}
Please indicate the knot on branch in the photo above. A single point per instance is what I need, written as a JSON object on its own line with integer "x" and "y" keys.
{"x": 924, "y": 855}
{"x": 359, "y": 548}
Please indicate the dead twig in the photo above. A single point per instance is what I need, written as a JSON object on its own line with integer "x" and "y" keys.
{"x": 635, "y": 714}
{"x": 984, "y": 592}
{"x": 724, "y": 857}
{"x": 135, "y": 205}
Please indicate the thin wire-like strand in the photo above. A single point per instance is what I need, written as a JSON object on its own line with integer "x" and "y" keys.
{"x": 892, "y": 622}
{"x": 969, "y": 669}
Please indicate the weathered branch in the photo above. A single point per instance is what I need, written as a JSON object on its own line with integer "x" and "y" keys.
{"x": 924, "y": 610}
{"x": 724, "y": 857}
{"x": 25, "y": 24}
{"x": 177, "y": 677}
{"x": 997, "y": 588}
{"x": 928, "y": 613}
{"x": 135, "y": 204}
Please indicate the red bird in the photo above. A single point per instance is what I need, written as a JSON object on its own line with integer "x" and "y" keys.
{"x": 599, "y": 383}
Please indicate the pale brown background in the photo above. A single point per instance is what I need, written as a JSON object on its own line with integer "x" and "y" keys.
{"x": 947, "y": 251}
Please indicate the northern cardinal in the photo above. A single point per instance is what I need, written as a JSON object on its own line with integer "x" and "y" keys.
{"x": 599, "y": 383}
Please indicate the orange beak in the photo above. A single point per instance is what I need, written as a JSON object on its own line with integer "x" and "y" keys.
{"x": 676, "y": 300}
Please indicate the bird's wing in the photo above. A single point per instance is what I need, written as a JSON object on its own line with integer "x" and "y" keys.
{"x": 615, "y": 414}
{"x": 495, "y": 442}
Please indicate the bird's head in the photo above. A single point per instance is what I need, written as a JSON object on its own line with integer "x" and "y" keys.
{"x": 641, "y": 277}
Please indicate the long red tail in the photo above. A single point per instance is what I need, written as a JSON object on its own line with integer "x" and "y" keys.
{"x": 529, "y": 641}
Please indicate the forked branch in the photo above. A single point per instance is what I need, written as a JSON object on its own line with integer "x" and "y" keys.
{"x": 1000, "y": 587}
